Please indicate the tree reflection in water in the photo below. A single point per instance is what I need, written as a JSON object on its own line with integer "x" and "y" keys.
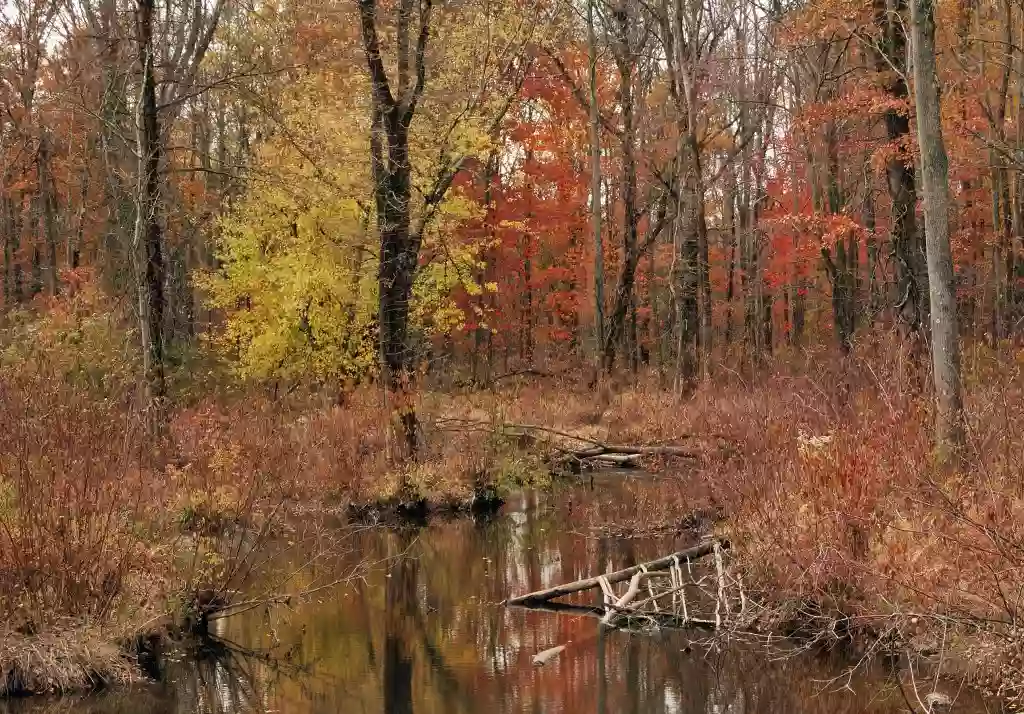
{"x": 426, "y": 633}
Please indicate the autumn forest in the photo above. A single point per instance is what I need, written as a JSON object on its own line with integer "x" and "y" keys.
{"x": 406, "y": 257}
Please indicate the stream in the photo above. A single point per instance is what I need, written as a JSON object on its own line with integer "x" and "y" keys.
{"x": 425, "y": 632}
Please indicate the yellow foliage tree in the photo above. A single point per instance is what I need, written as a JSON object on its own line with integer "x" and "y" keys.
{"x": 297, "y": 277}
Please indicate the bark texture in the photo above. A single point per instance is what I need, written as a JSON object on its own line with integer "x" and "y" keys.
{"x": 949, "y": 427}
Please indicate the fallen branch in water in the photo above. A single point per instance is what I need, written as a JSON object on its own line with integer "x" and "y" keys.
{"x": 603, "y": 450}
{"x": 662, "y": 619}
{"x": 682, "y": 556}
{"x": 542, "y": 658}
{"x": 688, "y": 581}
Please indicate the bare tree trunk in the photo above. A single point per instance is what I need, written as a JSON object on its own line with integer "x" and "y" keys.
{"x": 763, "y": 299}
{"x": 48, "y": 201}
{"x": 840, "y": 267}
{"x": 481, "y": 333}
{"x": 7, "y": 226}
{"x": 625, "y": 61}
{"x": 797, "y": 280}
{"x": 696, "y": 286}
{"x": 148, "y": 237}
{"x": 908, "y": 247}
{"x": 729, "y": 223}
{"x": 119, "y": 262}
{"x": 595, "y": 182}
{"x": 949, "y": 426}
{"x": 526, "y": 323}
{"x": 703, "y": 263}
{"x": 1004, "y": 219}
{"x": 394, "y": 106}
{"x": 869, "y": 304}
{"x": 1018, "y": 204}
{"x": 748, "y": 278}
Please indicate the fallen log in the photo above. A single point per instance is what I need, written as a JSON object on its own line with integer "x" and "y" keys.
{"x": 623, "y": 460}
{"x": 600, "y": 450}
{"x": 697, "y": 551}
{"x": 585, "y": 448}
{"x": 620, "y": 604}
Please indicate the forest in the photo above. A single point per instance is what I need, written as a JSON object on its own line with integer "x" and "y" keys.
{"x": 272, "y": 263}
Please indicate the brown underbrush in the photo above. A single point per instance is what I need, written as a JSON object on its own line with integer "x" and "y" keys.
{"x": 60, "y": 661}
{"x": 115, "y": 520}
{"x": 821, "y": 476}
{"x": 842, "y": 525}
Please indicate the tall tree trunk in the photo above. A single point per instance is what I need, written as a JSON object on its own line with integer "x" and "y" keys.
{"x": 118, "y": 262}
{"x": 48, "y": 214}
{"x": 873, "y": 297}
{"x": 748, "y": 277}
{"x": 13, "y": 272}
{"x": 729, "y": 223}
{"x": 148, "y": 236}
{"x": 1018, "y": 204}
{"x": 526, "y": 322}
{"x": 837, "y": 265}
{"x": 595, "y": 182}
{"x": 911, "y": 272}
{"x": 625, "y": 62}
{"x": 686, "y": 278}
{"x": 798, "y": 287}
{"x": 7, "y": 226}
{"x": 696, "y": 326}
{"x": 482, "y": 332}
{"x": 763, "y": 298}
{"x": 703, "y": 263}
{"x": 1005, "y": 219}
{"x": 949, "y": 425}
{"x": 393, "y": 112}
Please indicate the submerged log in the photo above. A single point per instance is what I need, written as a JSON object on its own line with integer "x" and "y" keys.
{"x": 697, "y": 551}
{"x": 662, "y": 619}
{"x": 542, "y": 658}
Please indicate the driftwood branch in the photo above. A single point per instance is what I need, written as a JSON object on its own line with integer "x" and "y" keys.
{"x": 620, "y": 460}
{"x": 664, "y": 619}
{"x": 636, "y": 451}
{"x": 576, "y": 447}
{"x": 540, "y": 596}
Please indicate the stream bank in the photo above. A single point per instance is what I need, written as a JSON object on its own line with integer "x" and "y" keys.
{"x": 425, "y": 632}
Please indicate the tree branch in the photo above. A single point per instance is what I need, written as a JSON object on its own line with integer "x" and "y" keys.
{"x": 371, "y": 47}
{"x": 421, "y": 62}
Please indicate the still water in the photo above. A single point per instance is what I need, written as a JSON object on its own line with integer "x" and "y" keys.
{"x": 424, "y": 632}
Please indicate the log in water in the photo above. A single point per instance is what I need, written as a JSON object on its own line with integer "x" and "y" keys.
{"x": 697, "y": 551}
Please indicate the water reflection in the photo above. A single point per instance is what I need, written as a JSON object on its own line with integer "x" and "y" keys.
{"x": 426, "y": 634}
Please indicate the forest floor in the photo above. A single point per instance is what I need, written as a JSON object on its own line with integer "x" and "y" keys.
{"x": 821, "y": 477}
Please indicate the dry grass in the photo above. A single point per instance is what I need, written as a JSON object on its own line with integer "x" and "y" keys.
{"x": 826, "y": 476}
{"x": 326, "y": 454}
{"x": 61, "y": 662}
{"x": 830, "y": 495}
{"x": 75, "y": 493}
